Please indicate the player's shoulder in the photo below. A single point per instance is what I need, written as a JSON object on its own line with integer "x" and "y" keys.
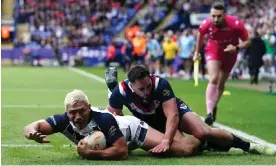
{"x": 205, "y": 25}
{"x": 101, "y": 115}
{"x": 60, "y": 117}
{"x": 206, "y": 22}
{"x": 233, "y": 21}
{"x": 159, "y": 82}
{"x": 121, "y": 89}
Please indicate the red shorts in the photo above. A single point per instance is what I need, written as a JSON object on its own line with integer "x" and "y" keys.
{"x": 227, "y": 60}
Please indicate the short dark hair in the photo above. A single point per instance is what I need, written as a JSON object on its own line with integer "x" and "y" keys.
{"x": 218, "y": 6}
{"x": 137, "y": 72}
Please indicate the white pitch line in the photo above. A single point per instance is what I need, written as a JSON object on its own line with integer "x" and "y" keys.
{"x": 86, "y": 74}
{"x": 36, "y": 106}
{"x": 245, "y": 135}
{"x": 32, "y": 106}
{"x": 34, "y": 145}
{"x": 44, "y": 90}
{"x": 232, "y": 130}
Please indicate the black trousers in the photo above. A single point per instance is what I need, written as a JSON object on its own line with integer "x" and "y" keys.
{"x": 254, "y": 73}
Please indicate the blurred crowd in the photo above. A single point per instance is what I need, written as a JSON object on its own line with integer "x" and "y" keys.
{"x": 166, "y": 53}
{"x": 73, "y": 23}
{"x": 89, "y": 23}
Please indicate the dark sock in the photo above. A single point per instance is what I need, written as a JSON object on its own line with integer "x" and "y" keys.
{"x": 239, "y": 143}
{"x": 203, "y": 146}
{"x": 216, "y": 147}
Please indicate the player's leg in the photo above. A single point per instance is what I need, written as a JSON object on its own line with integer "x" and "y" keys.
{"x": 157, "y": 65}
{"x": 146, "y": 137}
{"x": 148, "y": 62}
{"x": 181, "y": 146}
{"x": 212, "y": 94}
{"x": 218, "y": 139}
{"x": 111, "y": 79}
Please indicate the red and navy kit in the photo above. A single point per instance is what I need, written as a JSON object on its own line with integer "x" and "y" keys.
{"x": 150, "y": 110}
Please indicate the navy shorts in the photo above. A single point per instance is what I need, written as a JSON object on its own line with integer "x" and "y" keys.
{"x": 182, "y": 108}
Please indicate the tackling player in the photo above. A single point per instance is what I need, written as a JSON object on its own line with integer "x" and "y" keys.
{"x": 224, "y": 32}
{"x": 151, "y": 99}
{"x": 80, "y": 119}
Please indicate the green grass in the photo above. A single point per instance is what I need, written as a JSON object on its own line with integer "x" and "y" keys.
{"x": 249, "y": 111}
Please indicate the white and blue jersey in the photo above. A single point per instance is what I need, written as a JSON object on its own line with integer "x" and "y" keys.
{"x": 99, "y": 121}
{"x": 113, "y": 127}
{"x": 150, "y": 110}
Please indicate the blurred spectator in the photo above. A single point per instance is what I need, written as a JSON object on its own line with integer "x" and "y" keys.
{"x": 31, "y": 53}
{"x": 75, "y": 23}
{"x": 154, "y": 53}
{"x": 255, "y": 51}
{"x": 170, "y": 49}
{"x": 127, "y": 51}
{"x": 139, "y": 47}
{"x": 186, "y": 43}
{"x": 269, "y": 40}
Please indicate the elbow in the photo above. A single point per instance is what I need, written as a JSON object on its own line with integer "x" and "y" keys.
{"x": 123, "y": 153}
{"x": 26, "y": 131}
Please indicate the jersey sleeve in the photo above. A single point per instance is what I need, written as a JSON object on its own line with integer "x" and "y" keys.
{"x": 243, "y": 34}
{"x": 116, "y": 99}
{"x": 203, "y": 28}
{"x": 109, "y": 127}
{"x": 165, "y": 90}
{"x": 58, "y": 122}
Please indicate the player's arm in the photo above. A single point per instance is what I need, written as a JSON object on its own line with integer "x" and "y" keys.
{"x": 199, "y": 38}
{"x": 117, "y": 145}
{"x": 243, "y": 34}
{"x": 117, "y": 151}
{"x": 244, "y": 44}
{"x": 37, "y": 131}
{"x": 116, "y": 102}
{"x": 169, "y": 106}
{"x": 171, "y": 112}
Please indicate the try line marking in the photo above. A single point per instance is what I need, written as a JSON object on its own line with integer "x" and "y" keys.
{"x": 239, "y": 133}
{"x": 35, "y": 145}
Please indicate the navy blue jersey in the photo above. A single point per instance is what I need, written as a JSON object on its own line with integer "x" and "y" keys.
{"x": 99, "y": 120}
{"x": 150, "y": 110}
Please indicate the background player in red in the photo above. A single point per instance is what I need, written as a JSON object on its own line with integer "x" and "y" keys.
{"x": 224, "y": 32}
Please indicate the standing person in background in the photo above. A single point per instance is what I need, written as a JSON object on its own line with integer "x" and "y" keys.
{"x": 256, "y": 50}
{"x": 154, "y": 52}
{"x": 139, "y": 48}
{"x": 186, "y": 43}
{"x": 170, "y": 49}
{"x": 127, "y": 51}
{"x": 224, "y": 32}
{"x": 269, "y": 40}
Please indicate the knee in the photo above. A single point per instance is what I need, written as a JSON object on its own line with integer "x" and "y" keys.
{"x": 221, "y": 86}
{"x": 214, "y": 79}
{"x": 203, "y": 133}
{"x": 193, "y": 149}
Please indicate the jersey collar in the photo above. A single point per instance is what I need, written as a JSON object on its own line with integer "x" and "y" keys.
{"x": 85, "y": 131}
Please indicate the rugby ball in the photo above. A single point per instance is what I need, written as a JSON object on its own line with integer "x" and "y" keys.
{"x": 96, "y": 140}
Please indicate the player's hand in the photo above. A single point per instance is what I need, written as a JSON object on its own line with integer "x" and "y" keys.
{"x": 197, "y": 56}
{"x": 38, "y": 137}
{"x": 230, "y": 48}
{"x": 162, "y": 147}
{"x": 83, "y": 149}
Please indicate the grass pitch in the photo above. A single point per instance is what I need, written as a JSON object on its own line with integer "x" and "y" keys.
{"x": 29, "y": 94}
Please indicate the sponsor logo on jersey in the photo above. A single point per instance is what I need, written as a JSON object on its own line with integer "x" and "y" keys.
{"x": 166, "y": 92}
{"x": 112, "y": 131}
{"x": 53, "y": 119}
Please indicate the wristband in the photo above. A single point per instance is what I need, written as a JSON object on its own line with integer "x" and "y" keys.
{"x": 237, "y": 48}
